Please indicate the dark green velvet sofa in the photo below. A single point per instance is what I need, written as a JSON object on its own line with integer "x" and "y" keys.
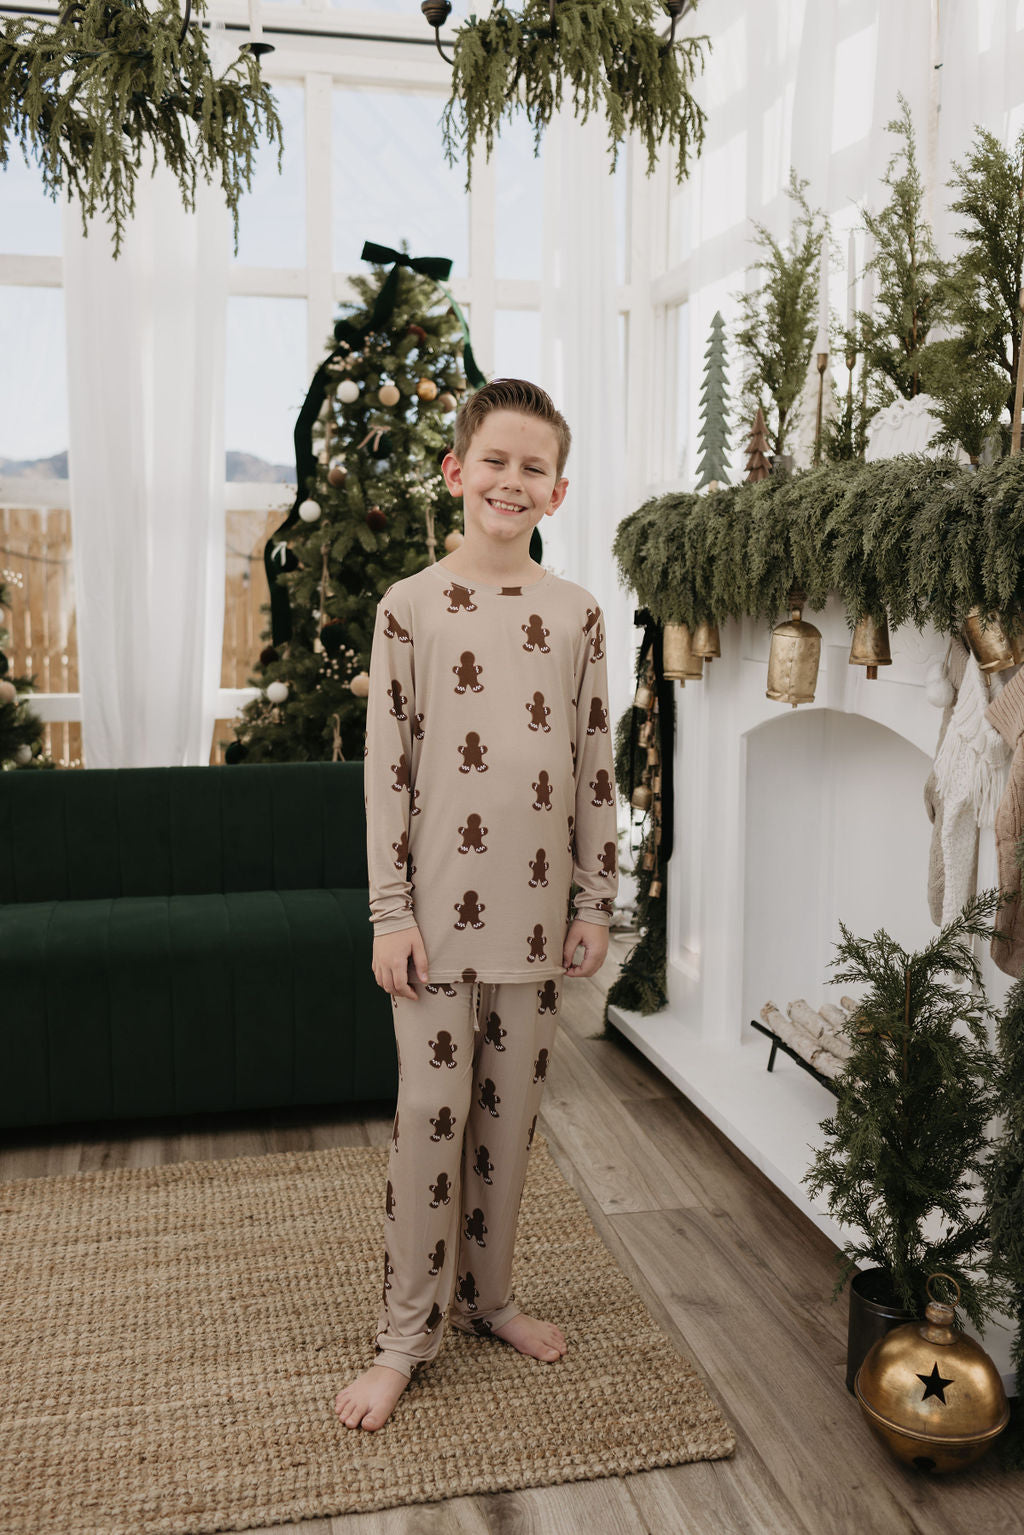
{"x": 176, "y": 940}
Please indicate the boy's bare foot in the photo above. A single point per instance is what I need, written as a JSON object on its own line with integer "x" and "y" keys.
{"x": 369, "y": 1400}
{"x": 541, "y": 1340}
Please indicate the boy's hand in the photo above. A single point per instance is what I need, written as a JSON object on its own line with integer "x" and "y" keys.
{"x": 594, "y": 938}
{"x": 393, "y": 953}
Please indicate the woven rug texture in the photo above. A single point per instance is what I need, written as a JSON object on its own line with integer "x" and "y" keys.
{"x": 172, "y": 1339}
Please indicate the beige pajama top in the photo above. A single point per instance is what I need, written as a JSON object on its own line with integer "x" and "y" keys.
{"x": 489, "y": 777}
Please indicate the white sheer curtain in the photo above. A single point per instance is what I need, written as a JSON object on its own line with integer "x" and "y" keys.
{"x": 145, "y": 348}
{"x": 582, "y": 370}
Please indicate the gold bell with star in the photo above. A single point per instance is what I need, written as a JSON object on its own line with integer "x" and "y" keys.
{"x": 930, "y": 1393}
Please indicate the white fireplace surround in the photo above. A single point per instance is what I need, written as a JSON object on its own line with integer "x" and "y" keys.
{"x": 786, "y": 821}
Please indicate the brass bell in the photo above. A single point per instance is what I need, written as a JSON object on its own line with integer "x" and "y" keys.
{"x": 870, "y": 646}
{"x": 930, "y": 1393}
{"x": 649, "y": 860}
{"x": 989, "y": 645}
{"x": 644, "y": 696}
{"x": 793, "y": 658}
{"x": 653, "y": 756}
{"x": 654, "y": 889}
{"x": 646, "y": 735}
{"x": 641, "y": 797}
{"x": 678, "y": 659}
{"x": 705, "y": 641}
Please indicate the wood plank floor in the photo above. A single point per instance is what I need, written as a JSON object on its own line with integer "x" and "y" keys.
{"x": 733, "y": 1273}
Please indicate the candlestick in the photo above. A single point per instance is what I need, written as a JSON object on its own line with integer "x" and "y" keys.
{"x": 851, "y": 280}
{"x": 255, "y": 25}
{"x": 823, "y": 298}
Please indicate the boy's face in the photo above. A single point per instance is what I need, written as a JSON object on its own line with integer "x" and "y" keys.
{"x": 511, "y": 463}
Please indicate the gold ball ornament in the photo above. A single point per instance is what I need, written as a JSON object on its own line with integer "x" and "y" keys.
{"x": 453, "y": 540}
{"x": 360, "y": 685}
{"x": 337, "y": 474}
{"x": 426, "y": 389}
{"x": 447, "y": 401}
{"x": 388, "y": 394}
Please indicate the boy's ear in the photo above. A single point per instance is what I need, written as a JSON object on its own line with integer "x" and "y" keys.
{"x": 557, "y": 495}
{"x": 452, "y": 471}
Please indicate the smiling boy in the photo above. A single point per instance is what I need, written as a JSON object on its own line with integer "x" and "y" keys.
{"x": 489, "y": 790}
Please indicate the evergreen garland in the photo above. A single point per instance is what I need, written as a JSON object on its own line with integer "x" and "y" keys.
{"x": 923, "y": 540}
{"x": 906, "y": 1142}
{"x": 596, "y": 49}
{"x": 89, "y": 92}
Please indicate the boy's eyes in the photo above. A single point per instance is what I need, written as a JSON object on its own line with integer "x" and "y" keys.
{"x": 532, "y": 467}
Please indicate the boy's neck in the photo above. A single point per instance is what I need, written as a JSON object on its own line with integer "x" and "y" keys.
{"x": 482, "y": 566}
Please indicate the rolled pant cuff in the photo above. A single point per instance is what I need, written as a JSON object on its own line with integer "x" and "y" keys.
{"x": 403, "y": 1363}
{"x": 466, "y": 1323}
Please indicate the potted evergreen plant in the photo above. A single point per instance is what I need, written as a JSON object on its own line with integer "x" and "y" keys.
{"x": 905, "y": 1148}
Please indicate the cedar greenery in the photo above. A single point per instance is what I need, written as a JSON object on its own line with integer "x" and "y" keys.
{"x": 601, "y": 50}
{"x": 923, "y": 540}
{"x": 110, "y": 77}
{"x": 778, "y": 320}
{"x": 906, "y": 1143}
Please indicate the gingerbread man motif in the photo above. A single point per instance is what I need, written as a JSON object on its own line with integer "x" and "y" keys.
{"x": 608, "y": 861}
{"x": 390, "y": 1202}
{"x": 536, "y": 942}
{"x": 468, "y": 976}
{"x": 443, "y": 1125}
{"x": 444, "y": 1048}
{"x": 441, "y": 1191}
{"x": 472, "y": 754}
{"x": 403, "y": 779}
{"x": 598, "y": 718}
{"x": 435, "y": 1316}
{"x": 475, "y": 1228}
{"x": 483, "y": 1164}
{"x": 538, "y": 712}
{"x": 417, "y": 728}
{"x": 401, "y": 850}
{"x": 593, "y": 614}
{"x": 595, "y": 640}
{"x": 466, "y": 1291}
{"x": 489, "y": 1099}
{"x": 398, "y": 698}
{"x": 529, "y": 1138}
{"x": 467, "y": 673}
{"x": 542, "y": 791}
{"x": 472, "y": 835}
{"x": 547, "y": 998}
{"x": 394, "y": 630}
{"x": 539, "y": 866}
{"x": 460, "y": 598}
{"x": 445, "y": 987}
{"x": 436, "y": 1258}
{"x": 602, "y": 787}
{"x": 536, "y": 634}
{"x": 469, "y": 909}
{"x": 540, "y": 1069}
{"x": 389, "y": 1269}
{"x": 604, "y": 905}
{"x": 482, "y": 1327}
{"x": 494, "y": 1033}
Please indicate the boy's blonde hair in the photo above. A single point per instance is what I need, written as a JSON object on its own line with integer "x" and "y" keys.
{"x": 510, "y": 394}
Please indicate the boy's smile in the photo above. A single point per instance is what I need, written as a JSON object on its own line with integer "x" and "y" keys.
{"x": 507, "y": 481}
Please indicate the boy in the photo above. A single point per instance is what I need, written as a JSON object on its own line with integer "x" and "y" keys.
{"x": 489, "y": 788}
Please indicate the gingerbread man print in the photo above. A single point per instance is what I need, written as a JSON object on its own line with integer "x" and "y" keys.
{"x": 489, "y": 1099}
{"x": 536, "y": 634}
{"x": 469, "y": 909}
{"x": 538, "y": 712}
{"x": 537, "y": 942}
{"x": 401, "y": 850}
{"x": 394, "y": 630}
{"x": 540, "y": 1069}
{"x": 602, "y": 787}
{"x": 436, "y": 1258}
{"x": 483, "y": 1164}
{"x": 441, "y": 1191}
{"x": 460, "y": 598}
{"x": 494, "y": 1033}
{"x": 472, "y": 754}
{"x": 467, "y": 674}
{"x": 475, "y": 1228}
{"x": 609, "y": 864}
{"x": 598, "y": 717}
{"x": 443, "y": 1125}
{"x": 539, "y": 867}
{"x": 542, "y": 791}
{"x": 398, "y": 698}
{"x": 444, "y": 1048}
{"x": 547, "y": 998}
{"x": 473, "y": 835}
{"x": 466, "y": 1291}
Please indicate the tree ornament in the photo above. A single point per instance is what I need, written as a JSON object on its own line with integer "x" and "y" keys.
{"x": 348, "y": 391}
{"x": 234, "y": 752}
{"x": 714, "y": 411}
{"x": 388, "y": 394}
{"x": 426, "y": 389}
{"x": 23, "y": 755}
{"x": 453, "y": 540}
{"x": 332, "y": 636}
{"x": 268, "y": 655}
{"x": 360, "y": 684}
{"x": 447, "y": 401}
{"x": 337, "y": 474}
{"x": 376, "y": 519}
{"x": 309, "y": 511}
{"x": 939, "y": 692}
{"x": 930, "y": 1393}
{"x": 277, "y": 692}
{"x": 7, "y": 692}
{"x": 870, "y": 646}
{"x": 758, "y": 464}
{"x": 793, "y": 657}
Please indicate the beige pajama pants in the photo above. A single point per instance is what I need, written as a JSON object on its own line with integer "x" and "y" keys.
{"x": 472, "y": 1059}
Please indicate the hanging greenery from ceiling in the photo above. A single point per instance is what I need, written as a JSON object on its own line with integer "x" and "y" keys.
{"x": 923, "y": 540}
{"x": 113, "y": 77}
{"x": 597, "y": 51}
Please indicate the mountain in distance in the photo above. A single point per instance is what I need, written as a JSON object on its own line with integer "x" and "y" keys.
{"x": 244, "y": 467}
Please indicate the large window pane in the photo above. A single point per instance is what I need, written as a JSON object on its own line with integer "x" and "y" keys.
{"x": 679, "y": 362}
{"x": 272, "y": 215}
{"x": 519, "y": 203}
{"x": 517, "y": 344}
{"x": 266, "y": 383}
{"x": 30, "y": 222}
{"x": 33, "y": 379}
{"x": 391, "y": 181}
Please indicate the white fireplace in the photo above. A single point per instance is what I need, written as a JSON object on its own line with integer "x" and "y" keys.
{"x": 786, "y": 821}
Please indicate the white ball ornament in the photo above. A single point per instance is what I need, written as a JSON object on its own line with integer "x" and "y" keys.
{"x": 309, "y": 511}
{"x": 939, "y": 691}
{"x": 348, "y": 391}
{"x": 388, "y": 395}
{"x": 277, "y": 692}
{"x": 23, "y": 755}
{"x": 453, "y": 540}
{"x": 935, "y": 670}
{"x": 360, "y": 684}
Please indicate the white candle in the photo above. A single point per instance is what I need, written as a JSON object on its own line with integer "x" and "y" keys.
{"x": 255, "y": 25}
{"x": 821, "y": 344}
{"x": 851, "y": 281}
{"x": 868, "y": 296}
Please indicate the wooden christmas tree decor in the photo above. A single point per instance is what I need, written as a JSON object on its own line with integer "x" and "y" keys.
{"x": 758, "y": 463}
{"x": 714, "y": 407}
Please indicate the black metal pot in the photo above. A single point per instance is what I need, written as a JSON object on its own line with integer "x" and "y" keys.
{"x": 874, "y": 1311}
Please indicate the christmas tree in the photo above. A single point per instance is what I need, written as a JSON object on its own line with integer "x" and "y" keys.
{"x": 1004, "y": 1186}
{"x": 759, "y": 465}
{"x": 714, "y": 410}
{"x": 372, "y": 507}
{"x": 21, "y": 731}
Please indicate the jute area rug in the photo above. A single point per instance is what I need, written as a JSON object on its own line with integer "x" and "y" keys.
{"x": 172, "y": 1340}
